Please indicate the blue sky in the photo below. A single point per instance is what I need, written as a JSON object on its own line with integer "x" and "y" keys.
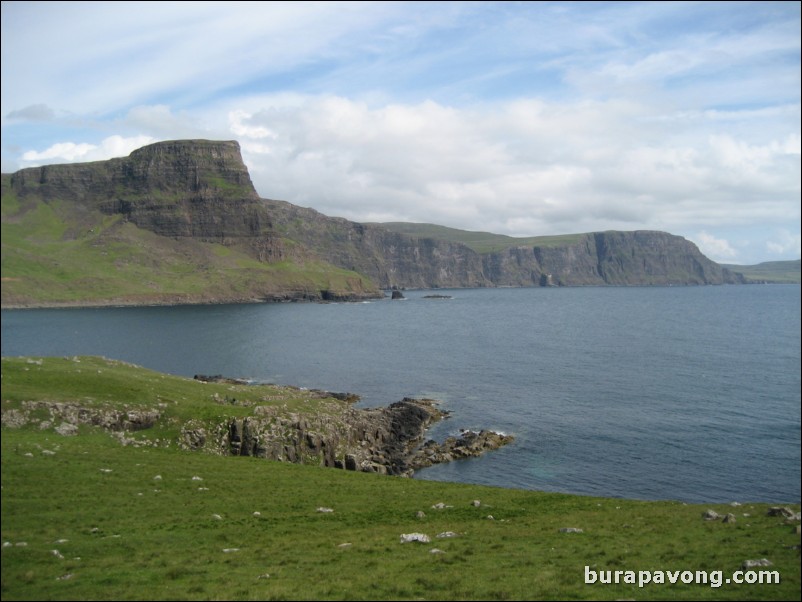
{"x": 521, "y": 118}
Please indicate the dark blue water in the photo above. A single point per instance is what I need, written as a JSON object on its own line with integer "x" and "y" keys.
{"x": 689, "y": 393}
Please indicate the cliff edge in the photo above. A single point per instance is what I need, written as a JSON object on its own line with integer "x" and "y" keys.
{"x": 180, "y": 222}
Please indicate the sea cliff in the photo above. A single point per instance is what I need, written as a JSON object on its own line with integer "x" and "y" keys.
{"x": 180, "y": 222}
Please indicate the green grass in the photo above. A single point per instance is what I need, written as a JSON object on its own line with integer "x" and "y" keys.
{"x": 53, "y": 255}
{"x": 481, "y": 242}
{"x": 132, "y": 536}
{"x": 778, "y": 272}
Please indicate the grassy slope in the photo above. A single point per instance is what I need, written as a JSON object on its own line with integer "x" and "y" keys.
{"x": 481, "y": 242}
{"x": 131, "y": 536}
{"x": 783, "y": 272}
{"x": 51, "y": 254}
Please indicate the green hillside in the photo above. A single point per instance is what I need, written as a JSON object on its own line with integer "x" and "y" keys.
{"x": 60, "y": 253}
{"x": 481, "y": 242}
{"x": 133, "y": 517}
{"x": 779, "y": 272}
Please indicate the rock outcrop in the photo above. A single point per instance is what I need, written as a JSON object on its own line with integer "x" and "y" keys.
{"x": 379, "y": 440}
{"x": 197, "y": 188}
{"x": 384, "y": 440}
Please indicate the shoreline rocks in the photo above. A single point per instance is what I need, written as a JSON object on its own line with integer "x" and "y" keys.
{"x": 387, "y": 440}
{"x": 379, "y": 440}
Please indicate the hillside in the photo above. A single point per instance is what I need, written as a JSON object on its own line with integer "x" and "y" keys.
{"x": 176, "y": 222}
{"x": 180, "y": 222}
{"x": 771, "y": 272}
{"x": 105, "y": 497}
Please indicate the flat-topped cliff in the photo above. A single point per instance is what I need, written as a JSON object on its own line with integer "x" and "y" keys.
{"x": 180, "y": 222}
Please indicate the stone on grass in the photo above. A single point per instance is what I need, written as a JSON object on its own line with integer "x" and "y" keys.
{"x": 570, "y": 530}
{"x": 325, "y": 510}
{"x": 710, "y": 515}
{"x": 748, "y": 564}
{"x": 420, "y": 514}
{"x": 66, "y": 429}
{"x": 411, "y": 537}
{"x": 476, "y": 503}
{"x": 436, "y": 551}
{"x": 217, "y": 517}
{"x": 446, "y": 534}
{"x": 785, "y": 512}
{"x": 729, "y": 518}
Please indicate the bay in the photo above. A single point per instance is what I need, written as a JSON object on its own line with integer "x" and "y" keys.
{"x": 686, "y": 393}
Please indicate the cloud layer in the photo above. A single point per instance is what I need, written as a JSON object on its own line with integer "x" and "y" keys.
{"x": 539, "y": 118}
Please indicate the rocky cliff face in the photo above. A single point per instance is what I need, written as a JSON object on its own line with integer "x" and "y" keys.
{"x": 390, "y": 259}
{"x": 183, "y": 188}
{"x": 396, "y": 260}
{"x": 201, "y": 189}
{"x": 608, "y": 258}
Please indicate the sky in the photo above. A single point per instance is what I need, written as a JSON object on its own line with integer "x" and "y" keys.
{"x": 518, "y": 118}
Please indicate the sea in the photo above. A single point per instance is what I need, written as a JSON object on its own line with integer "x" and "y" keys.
{"x": 653, "y": 393}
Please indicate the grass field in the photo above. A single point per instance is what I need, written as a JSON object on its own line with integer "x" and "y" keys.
{"x": 102, "y": 521}
{"x": 53, "y": 254}
{"x": 778, "y": 272}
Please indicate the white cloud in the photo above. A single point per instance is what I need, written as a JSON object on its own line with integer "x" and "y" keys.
{"x": 520, "y": 167}
{"x": 522, "y": 118}
{"x": 785, "y": 243}
{"x": 69, "y": 152}
{"x": 716, "y": 249}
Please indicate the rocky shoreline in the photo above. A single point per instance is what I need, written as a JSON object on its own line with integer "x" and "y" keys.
{"x": 387, "y": 440}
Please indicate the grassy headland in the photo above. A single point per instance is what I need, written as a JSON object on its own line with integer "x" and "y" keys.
{"x": 775, "y": 272}
{"x": 56, "y": 253}
{"x": 100, "y": 520}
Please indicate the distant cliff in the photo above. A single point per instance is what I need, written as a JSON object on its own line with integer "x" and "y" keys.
{"x": 395, "y": 259}
{"x": 180, "y": 221}
{"x": 609, "y": 258}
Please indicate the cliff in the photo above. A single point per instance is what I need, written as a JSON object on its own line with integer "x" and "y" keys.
{"x": 184, "y": 188}
{"x": 389, "y": 258}
{"x": 609, "y": 258}
{"x": 174, "y": 222}
{"x": 180, "y": 222}
{"x": 398, "y": 258}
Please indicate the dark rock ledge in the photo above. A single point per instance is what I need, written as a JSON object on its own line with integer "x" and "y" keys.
{"x": 382, "y": 440}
